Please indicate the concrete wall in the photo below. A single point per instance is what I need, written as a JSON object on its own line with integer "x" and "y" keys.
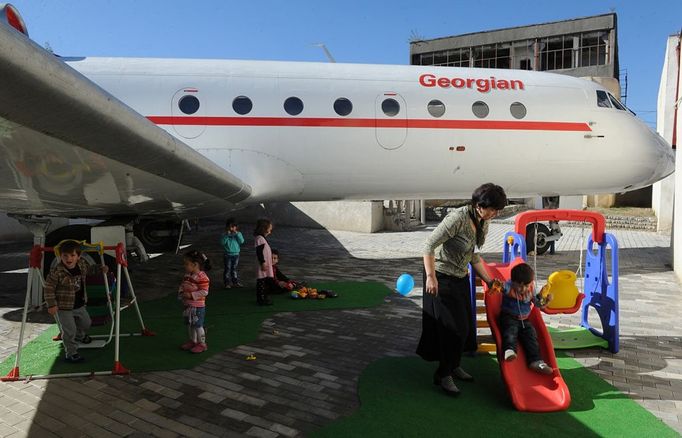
{"x": 666, "y": 106}
{"x": 361, "y": 216}
{"x": 663, "y": 192}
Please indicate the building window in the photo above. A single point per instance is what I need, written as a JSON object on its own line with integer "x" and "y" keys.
{"x": 242, "y": 105}
{"x": 436, "y": 108}
{"x": 525, "y": 64}
{"x": 445, "y": 58}
{"x": 188, "y": 104}
{"x": 390, "y": 107}
{"x": 343, "y": 106}
{"x": 557, "y": 53}
{"x": 293, "y": 106}
{"x": 492, "y": 56}
{"x": 480, "y": 109}
{"x": 518, "y": 110}
{"x": 593, "y": 48}
{"x": 459, "y": 57}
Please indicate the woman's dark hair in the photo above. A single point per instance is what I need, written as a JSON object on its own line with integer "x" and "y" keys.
{"x": 262, "y": 226}
{"x": 229, "y": 222}
{"x": 522, "y": 273}
{"x": 195, "y": 256}
{"x": 489, "y": 195}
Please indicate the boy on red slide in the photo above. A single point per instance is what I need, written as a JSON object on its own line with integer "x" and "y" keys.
{"x": 514, "y": 323}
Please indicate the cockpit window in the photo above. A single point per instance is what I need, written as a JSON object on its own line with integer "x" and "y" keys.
{"x": 616, "y": 104}
{"x": 603, "y": 99}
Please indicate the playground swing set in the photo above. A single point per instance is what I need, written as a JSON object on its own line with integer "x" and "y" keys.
{"x": 531, "y": 391}
{"x": 113, "y": 309}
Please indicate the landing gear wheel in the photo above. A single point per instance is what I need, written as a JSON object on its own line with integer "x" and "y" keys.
{"x": 157, "y": 236}
{"x": 542, "y": 242}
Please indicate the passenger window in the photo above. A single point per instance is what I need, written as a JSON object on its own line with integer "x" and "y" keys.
{"x": 242, "y": 105}
{"x": 390, "y": 107}
{"x": 480, "y": 109}
{"x": 518, "y": 110}
{"x": 343, "y": 106}
{"x": 436, "y": 108}
{"x": 615, "y": 103}
{"x": 188, "y": 104}
{"x": 603, "y": 99}
{"x": 293, "y": 106}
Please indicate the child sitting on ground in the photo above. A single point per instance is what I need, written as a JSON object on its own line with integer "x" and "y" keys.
{"x": 516, "y": 307}
{"x": 66, "y": 297}
{"x": 282, "y": 283}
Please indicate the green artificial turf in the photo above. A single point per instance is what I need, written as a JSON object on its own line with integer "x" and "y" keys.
{"x": 398, "y": 399}
{"x": 232, "y": 318}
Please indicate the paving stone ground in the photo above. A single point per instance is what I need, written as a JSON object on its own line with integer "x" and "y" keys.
{"x": 308, "y": 363}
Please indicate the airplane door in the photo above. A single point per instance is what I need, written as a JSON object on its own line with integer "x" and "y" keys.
{"x": 390, "y": 120}
{"x": 187, "y": 109}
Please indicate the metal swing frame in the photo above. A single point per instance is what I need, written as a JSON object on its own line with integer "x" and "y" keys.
{"x": 35, "y": 271}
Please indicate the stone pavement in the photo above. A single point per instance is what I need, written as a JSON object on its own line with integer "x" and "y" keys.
{"x": 309, "y": 362}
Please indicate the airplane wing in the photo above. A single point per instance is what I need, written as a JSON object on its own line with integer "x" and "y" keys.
{"x": 69, "y": 148}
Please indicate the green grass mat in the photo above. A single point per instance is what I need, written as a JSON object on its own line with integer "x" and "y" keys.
{"x": 398, "y": 399}
{"x": 232, "y": 318}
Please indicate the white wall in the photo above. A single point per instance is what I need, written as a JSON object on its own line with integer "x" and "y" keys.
{"x": 666, "y": 111}
{"x": 663, "y": 192}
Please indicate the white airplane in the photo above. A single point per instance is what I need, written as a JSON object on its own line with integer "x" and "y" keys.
{"x": 160, "y": 139}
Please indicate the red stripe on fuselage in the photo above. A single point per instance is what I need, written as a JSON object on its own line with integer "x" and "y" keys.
{"x": 370, "y": 123}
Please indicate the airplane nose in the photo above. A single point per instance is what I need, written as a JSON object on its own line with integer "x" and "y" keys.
{"x": 665, "y": 158}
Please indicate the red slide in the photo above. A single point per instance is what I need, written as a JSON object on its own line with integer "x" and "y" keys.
{"x": 529, "y": 390}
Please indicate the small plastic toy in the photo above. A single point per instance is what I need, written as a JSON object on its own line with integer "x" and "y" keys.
{"x": 545, "y": 297}
{"x": 251, "y": 357}
{"x": 496, "y": 287}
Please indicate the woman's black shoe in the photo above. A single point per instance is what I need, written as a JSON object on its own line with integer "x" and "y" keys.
{"x": 458, "y": 373}
{"x": 265, "y": 302}
{"x": 462, "y": 375}
{"x": 449, "y": 386}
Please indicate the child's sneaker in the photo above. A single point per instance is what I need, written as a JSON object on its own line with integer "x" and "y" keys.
{"x": 237, "y": 284}
{"x": 199, "y": 348}
{"x": 74, "y": 358}
{"x": 541, "y": 367}
{"x": 227, "y": 286}
{"x": 509, "y": 355}
{"x": 188, "y": 345}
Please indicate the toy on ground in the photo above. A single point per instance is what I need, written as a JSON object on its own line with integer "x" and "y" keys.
{"x": 404, "y": 284}
{"x": 312, "y": 293}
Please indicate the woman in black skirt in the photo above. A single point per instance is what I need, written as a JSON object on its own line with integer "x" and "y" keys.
{"x": 447, "y": 322}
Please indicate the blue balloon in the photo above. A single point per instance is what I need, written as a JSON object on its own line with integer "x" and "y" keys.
{"x": 404, "y": 284}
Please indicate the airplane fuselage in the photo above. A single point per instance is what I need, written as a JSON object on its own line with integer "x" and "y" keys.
{"x": 565, "y": 144}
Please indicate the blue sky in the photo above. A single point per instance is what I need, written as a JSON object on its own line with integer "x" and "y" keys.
{"x": 354, "y": 31}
